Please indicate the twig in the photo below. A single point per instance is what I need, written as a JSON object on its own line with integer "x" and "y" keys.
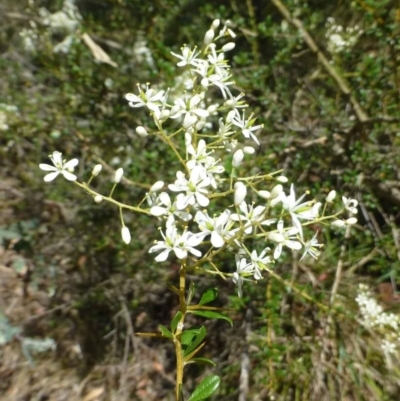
{"x": 339, "y": 267}
{"x": 341, "y": 82}
{"x": 361, "y": 262}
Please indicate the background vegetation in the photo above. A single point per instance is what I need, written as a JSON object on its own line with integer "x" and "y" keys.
{"x": 331, "y": 114}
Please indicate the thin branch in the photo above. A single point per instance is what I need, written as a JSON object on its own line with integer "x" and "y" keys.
{"x": 341, "y": 82}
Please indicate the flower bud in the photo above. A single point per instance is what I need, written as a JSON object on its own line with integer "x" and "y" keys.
{"x": 264, "y": 194}
{"x": 126, "y": 235}
{"x": 212, "y": 108}
{"x": 189, "y": 120}
{"x": 276, "y": 191}
{"x": 282, "y": 179}
{"x": 141, "y": 131}
{"x": 118, "y": 175}
{"x": 228, "y": 46}
{"x": 200, "y": 125}
{"x": 331, "y": 196}
{"x": 338, "y": 223}
{"x": 98, "y": 198}
{"x": 157, "y": 186}
{"x": 240, "y": 193}
{"x": 276, "y": 237}
{"x": 351, "y": 221}
{"x": 215, "y": 24}
{"x": 208, "y": 37}
{"x": 96, "y": 170}
{"x": 249, "y": 150}
{"x": 230, "y": 116}
{"x": 237, "y": 158}
{"x": 165, "y": 115}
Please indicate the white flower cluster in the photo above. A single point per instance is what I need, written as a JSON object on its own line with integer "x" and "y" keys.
{"x": 375, "y": 318}
{"x": 340, "y": 39}
{"x": 199, "y": 223}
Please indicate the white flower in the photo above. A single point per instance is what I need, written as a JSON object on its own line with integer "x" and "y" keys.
{"x": 220, "y": 65}
{"x": 150, "y": 98}
{"x": 60, "y": 167}
{"x": 350, "y": 204}
{"x": 246, "y": 125}
{"x": 188, "y": 57}
{"x": 217, "y": 227}
{"x": 259, "y": 262}
{"x": 311, "y": 248}
{"x": 194, "y": 188}
{"x": 190, "y": 108}
{"x": 250, "y": 214}
{"x": 164, "y": 206}
{"x": 242, "y": 269}
{"x": 299, "y": 210}
{"x": 284, "y": 237}
{"x": 236, "y": 102}
{"x": 179, "y": 244}
{"x": 199, "y": 155}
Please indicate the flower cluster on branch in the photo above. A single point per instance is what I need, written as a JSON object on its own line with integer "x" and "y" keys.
{"x": 212, "y": 206}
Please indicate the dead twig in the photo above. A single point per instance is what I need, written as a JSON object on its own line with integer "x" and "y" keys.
{"x": 341, "y": 82}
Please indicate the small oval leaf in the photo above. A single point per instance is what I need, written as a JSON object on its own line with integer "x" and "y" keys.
{"x": 208, "y": 296}
{"x": 206, "y": 388}
{"x": 175, "y": 321}
{"x": 212, "y": 315}
{"x": 165, "y": 332}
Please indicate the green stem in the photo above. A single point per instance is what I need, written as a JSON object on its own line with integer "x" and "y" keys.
{"x": 179, "y": 329}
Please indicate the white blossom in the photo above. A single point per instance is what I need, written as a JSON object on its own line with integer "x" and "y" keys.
{"x": 181, "y": 245}
{"x": 350, "y": 204}
{"x": 195, "y": 188}
{"x": 217, "y": 227}
{"x": 284, "y": 237}
{"x": 310, "y": 248}
{"x": 60, "y": 167}
{"x": 164, "y": 207}
{"x": 297, "y": 210}
{"x": 259, "y": 262}
{"x": 149, "y": 98}
{"x": 246, "y": 125}
{"x": 250, "y": 216}
{"x": 243, "y": 269}
{"x": 188, "y": 57}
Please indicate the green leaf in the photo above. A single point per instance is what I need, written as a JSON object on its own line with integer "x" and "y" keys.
{"x": 208, "y": 296}
{"x": 203, "y": 361}
{"x": 212, "y": 315}
{"x": 199, "y": 337}
{"x": 165, "y": 332}
{"x": 206, "y": 388}
{"x": 175, "y": 321}
{"x": 188, "y": 335}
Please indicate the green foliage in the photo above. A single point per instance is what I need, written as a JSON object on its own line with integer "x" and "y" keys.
{"x": 205, "y": 389}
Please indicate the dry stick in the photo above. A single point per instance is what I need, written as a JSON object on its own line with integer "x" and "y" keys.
{"x": 341, "y": 82}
